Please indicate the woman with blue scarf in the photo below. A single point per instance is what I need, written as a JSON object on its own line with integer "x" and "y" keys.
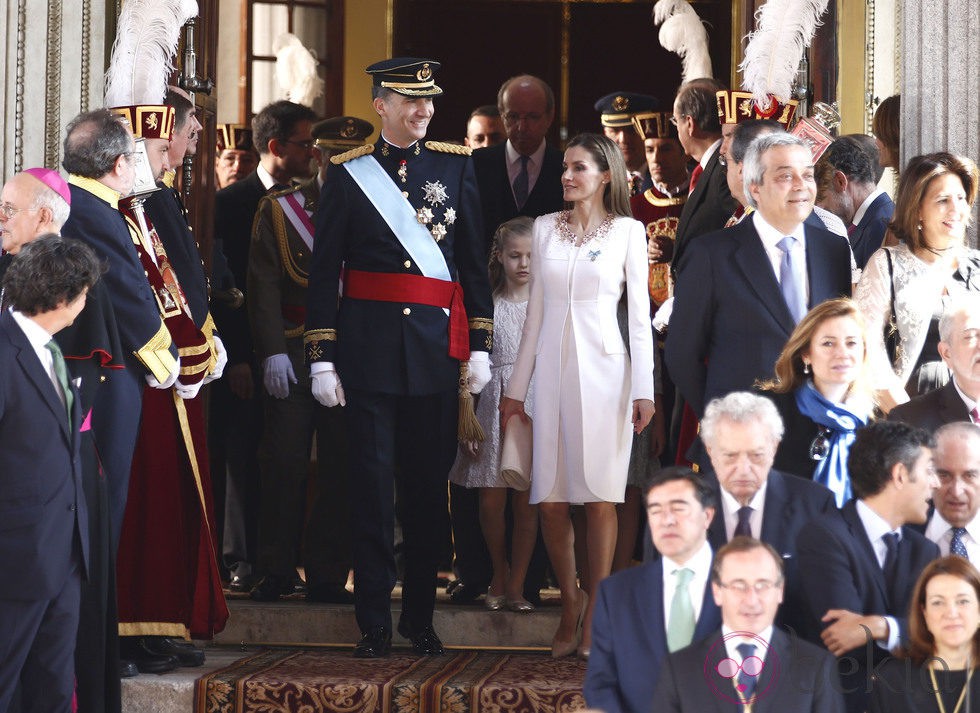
{"x": 822, "y": 394}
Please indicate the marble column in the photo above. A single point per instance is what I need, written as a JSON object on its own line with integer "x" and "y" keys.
{"x": 941, "y": 80}
{"x": 54, "y": 60}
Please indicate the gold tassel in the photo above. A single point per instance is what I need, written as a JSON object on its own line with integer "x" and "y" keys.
{"x": 468, "y": 428}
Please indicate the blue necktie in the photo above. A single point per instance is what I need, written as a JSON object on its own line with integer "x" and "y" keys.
{"x": 789, "y": 285}
{"x": 956, "y": 545}
{"x": 746, "y": 682}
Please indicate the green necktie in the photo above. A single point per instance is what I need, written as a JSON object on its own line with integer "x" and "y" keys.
{"x": 62, "y": 373}
{"x": 680, "y": 625}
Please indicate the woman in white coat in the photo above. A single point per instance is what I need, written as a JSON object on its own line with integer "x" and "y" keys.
{"x": 590, "y": 395}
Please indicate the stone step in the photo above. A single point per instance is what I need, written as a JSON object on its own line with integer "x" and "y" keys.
{"x": 173, "y": 692}
{"x": 293, "y": 621}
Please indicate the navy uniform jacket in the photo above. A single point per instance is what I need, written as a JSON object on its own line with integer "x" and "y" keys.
{"x": 167, "y": 214}
{"x": 392, "y": 347}
{"x": 497, "y": 195}
{"x": 42, "y": 508}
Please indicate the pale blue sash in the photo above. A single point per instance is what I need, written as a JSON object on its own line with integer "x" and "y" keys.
{"x": 399, "y": 215}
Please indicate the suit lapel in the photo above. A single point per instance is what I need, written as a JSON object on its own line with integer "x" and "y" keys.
{"x": 777, "y": 511}
{"x": 778, "y": 665}
{"x": 753, "y": 261}
{"x": 32, "y": 367}
{"x": 849, "y": 513}
{"x": 817, "y": 262}
{"x": 650, "y": 604}
{"x": 951, "y": 406}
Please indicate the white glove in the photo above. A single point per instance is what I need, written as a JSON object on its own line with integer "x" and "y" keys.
{"x": 277, "y": 375}
{"x": 222, "y": 356}
{"x": 662, "y": 318}
{"x": 170, "y": 381}
{"x": 326, "y": 384}
{"x": 479, "y": 375}
{"x": 188, "y": 391}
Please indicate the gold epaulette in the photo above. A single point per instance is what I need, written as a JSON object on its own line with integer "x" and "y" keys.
{"x": 352, "y": 154}
{"x": 284, "y": 191}
{"x": 446, "y": 147}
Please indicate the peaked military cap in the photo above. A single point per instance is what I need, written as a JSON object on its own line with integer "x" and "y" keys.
{"x": 342, "y": 132}
{"x": 411, "y": 76}
{"x": 617, "y": 109}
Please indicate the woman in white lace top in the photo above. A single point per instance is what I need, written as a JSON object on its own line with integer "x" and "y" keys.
{"x": 912, "y": 284}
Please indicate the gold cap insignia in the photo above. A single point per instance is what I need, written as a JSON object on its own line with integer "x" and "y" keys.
{"x": 348, "y": 131}
{"x": 151, "y": 121}
{"x": 424, "y": 74}
{"x": 621, "y": 103}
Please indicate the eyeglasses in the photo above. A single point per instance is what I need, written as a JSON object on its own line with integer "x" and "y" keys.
{"x": 8, "y": 211}
{"x": 308, "y": 144}
{"x": 674, "y": 120}
{"x": 760, "y": 586}
{"x": 820, "y": 446}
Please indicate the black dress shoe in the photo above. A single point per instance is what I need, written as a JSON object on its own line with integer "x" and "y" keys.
{"x": 299, "y": 586}
{"x": 463, "y": 593}
{"x": 271, "y": 587}
{"x": 184, "y": 651}
{"x": 241, "y": 583}
{"x": 375, "y": 644}
{"x": 425, "y": 642}
{"x": 133, "y": 648}
{"x": 329, "y": 593}
{"x": 127, "y": 669}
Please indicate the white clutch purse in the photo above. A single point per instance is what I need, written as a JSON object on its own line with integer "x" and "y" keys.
{"x": 515, "y": 454}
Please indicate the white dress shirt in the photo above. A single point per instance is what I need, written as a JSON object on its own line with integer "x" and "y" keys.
{"x": 732, "y": 639}
{"x": 770, "y": 240}
{"x": 700, "y": 564}
{"x": 941, "y": 532}
{"x": 863, "y": 208}
{"x": 730, "y": 508}
{"x": 876, "y": 528}
{"x": 267, "y": 180}
{"x": 38, "y": 337}
{"x": 533, "y": 166}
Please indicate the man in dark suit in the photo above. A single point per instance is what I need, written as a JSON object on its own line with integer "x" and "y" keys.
{"x": 749, "y": 664}
{"x": 954, "y": 525}
{"x": 743, "y": 290}
{"x": 282, "y": 133}
{"x": 852, "y": 193}
{"x": 527, "y": 107}
{"x": 641, "y": 613}
{"x": 521, "y": 176}
{"x": 741, "y": 433}
{"x": 709, "y": 204}
{"x": 959, "y": 347}
{"x": 859, "y": 565}
{"x": 402, "y": 230}
{"x": 44, "y": 544}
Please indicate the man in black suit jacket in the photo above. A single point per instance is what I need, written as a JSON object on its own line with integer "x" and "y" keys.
{"x": 44, "y": 540}
{"x": 859, "y": 565}
{"x": 741, "y": 433}
{"x": 283, "y": 136}
{"x": 710, "y": 203}
{"x": 749, "y": 663}
{"x": 527, "y": 106}
{"x": 630, "y": 626}
{"x": 958, "y": 347}
{"x": 731, "y": 314}
{"x": 851, "y": 192}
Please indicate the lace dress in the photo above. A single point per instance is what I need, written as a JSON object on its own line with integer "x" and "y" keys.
{"x": 484, "y": 470}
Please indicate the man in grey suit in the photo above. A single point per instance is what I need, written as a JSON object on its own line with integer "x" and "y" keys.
{"x": 749, "y": 664}
{"x": 959, "y": 347}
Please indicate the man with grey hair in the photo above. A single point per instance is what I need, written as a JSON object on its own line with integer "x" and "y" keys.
{"x": 98, "y": 155}
{"x": 959, "y": 347}
{"x": 30, "y": 207}
{"x": 741, "y": 293}
{"x": 741, "y": 433}
{"x": 954, "y": 525}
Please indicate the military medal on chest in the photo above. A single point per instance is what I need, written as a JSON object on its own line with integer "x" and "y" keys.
{"x": 434, "y": 193}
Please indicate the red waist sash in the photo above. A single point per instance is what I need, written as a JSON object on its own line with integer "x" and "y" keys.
{"x": 417, "y": 289}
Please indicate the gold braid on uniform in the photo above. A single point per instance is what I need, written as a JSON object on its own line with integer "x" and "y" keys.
{"x": 352, "y": 154}
{"x": 446, "y": 147}
{"x": 282, "y": 243}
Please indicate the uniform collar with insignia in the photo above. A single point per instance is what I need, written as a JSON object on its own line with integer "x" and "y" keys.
{"x": 389, "y": 149}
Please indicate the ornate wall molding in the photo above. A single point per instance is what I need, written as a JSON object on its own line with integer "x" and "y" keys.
{"x": 52, "y": 93}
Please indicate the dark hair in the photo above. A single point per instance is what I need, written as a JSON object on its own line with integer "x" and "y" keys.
{"x": 918, "y": 175}
{"x": 49, "y": 271}
{"x": 519, "y": 226}
{"x": 702, "y": 492}
{"x": 852, "y": 159}
{"x": 94, "y": 140}
{"x": 486, "y": 110}
{"x": 182, "y": 107}
{"x": 870, "y": 146}
{"x": 277, "y": 121}
{"x": 608, "y": 157}
{"x": 887, "y": 122}
{"x": 549, "y": 95}
{"x": 746, "y": 132}
{"x": 696, "y": 99}
{"x": 922, "y": 644}
{"x": 742, "y": 544}
{"x": 878, "y": 448}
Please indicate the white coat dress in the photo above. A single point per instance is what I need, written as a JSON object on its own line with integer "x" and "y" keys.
{"x": 585, "y": 382}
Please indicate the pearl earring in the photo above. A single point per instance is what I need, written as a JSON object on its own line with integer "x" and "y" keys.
{"x": 806, "y": 367}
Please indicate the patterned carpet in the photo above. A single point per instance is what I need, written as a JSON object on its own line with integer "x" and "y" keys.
{"x": 308, "y": 681}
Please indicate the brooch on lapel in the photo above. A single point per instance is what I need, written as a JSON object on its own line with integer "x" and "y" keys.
{"x": 593, "y": 254}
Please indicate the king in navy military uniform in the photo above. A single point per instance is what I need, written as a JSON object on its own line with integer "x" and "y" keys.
{"x": 401, "y": 220}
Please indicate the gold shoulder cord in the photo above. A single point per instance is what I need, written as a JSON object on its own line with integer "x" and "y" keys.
{"x": 445, "y": 147}
{"x": 352, "y": 154}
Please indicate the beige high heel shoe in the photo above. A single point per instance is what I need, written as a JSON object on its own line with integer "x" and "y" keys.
{"x": 559, "y": 648}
